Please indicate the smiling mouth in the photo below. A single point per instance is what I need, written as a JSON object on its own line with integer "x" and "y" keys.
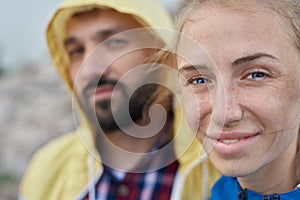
{"x": 231, "y": 144}
{"x": 230, "y": 141}
{"x": 235, "y": 140}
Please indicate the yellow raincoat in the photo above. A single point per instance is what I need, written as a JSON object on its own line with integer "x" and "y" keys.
{"x": 62, "y": 169}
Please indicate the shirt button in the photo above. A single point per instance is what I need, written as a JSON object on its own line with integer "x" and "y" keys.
{"x": 123, "y": 190}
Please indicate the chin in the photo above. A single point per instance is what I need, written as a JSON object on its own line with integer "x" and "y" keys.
{"x": 233, "y": 168}
{"x": 233, "y": 173}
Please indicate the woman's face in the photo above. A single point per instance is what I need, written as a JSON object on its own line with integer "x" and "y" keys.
{"x": 241, "y": 87}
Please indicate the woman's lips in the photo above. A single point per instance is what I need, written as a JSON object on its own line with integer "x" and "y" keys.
{"x": 231, "y": 144}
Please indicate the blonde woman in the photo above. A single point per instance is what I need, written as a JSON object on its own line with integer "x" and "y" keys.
{"x": 241, "y": 91}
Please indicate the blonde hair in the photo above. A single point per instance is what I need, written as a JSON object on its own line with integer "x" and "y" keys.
{"x": 287, "y": 10}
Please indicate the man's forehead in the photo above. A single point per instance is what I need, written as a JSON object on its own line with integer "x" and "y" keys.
{"x": 99, "y": 33}
{"x": 103, "y": 22}
{"x": 103, "y": 19}
{"x": 87, "y": 12}
{"x": 107, "y": 14}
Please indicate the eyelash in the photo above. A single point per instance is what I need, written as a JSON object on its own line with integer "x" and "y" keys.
{"x": 195, "y": 79}
{"x": 116, "y": 42}
{"x": 110, "y": 42}
{"x": 253, "y": 75}
{"x": 261, "y": 74}
{"x": 75, "y": 52}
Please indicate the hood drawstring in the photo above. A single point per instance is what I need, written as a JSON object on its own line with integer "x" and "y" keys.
{"x": 242, "y": 195}
{"x": 205, "y": 179}
{"x": 272, "y": 197}
{"x": 91, "y": 180}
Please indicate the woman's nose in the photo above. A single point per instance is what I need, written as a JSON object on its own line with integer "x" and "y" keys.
{"x": 226, "y": 107}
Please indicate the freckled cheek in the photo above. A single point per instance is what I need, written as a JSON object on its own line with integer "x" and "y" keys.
{"x": 204, "y": 117}
{"x": 270, "y": 107}
{"x": 196, "y": 109}
{"x": 293, "y": 89}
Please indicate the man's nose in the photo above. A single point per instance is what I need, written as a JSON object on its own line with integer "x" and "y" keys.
{"x": 96, "y": 63}
{"x": 226, "y": 106}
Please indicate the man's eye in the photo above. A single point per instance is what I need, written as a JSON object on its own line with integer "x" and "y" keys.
{"x": 116, "y": 42}
{"x": 75, "y": 52}
{"x": 257, "y": 75}
{"x": 198, "y": 81}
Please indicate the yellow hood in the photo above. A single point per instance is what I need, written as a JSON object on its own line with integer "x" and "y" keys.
{"x": 150, "y": 13}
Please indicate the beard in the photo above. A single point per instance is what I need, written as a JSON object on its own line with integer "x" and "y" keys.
{"x": 128, "y": 109}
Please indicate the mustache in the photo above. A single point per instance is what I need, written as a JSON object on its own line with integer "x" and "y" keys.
{"x": 100, "y": 82}
{"x": 93, "y": 84}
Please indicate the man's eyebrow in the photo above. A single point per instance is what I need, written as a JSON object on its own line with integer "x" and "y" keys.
{"x": 110, "y": 31}
{"x": 103, "y": 33}
{"x": 69, "y": 41}
{"x": 252, "y": 57}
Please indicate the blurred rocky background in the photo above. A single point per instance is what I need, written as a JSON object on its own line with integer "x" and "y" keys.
{"x": 34, "y": 108}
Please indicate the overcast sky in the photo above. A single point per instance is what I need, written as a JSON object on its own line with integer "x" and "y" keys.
{"x": 23, "y": 28}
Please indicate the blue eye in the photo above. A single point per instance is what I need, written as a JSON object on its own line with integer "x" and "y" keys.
{"x": 257, "y": 75}
{"x": 198, "y": 81}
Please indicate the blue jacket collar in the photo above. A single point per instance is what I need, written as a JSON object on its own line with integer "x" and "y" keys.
{"x": 228, "y": 188}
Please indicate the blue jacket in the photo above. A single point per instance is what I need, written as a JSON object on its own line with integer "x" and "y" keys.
{"x": 227, "y": 188}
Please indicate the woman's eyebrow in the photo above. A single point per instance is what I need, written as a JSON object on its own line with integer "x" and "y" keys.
{"x": 187, "y": 68}
{"x": 252, "y": 57}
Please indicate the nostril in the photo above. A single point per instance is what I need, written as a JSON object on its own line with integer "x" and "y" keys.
{"x": 227, "y": 114}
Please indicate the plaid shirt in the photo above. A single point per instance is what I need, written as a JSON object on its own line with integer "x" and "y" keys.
{"x": 137, "y": 186}
{"x": 148, "y": 185}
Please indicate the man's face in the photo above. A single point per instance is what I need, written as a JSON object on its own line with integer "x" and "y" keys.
{"x": 95, "y": 70}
